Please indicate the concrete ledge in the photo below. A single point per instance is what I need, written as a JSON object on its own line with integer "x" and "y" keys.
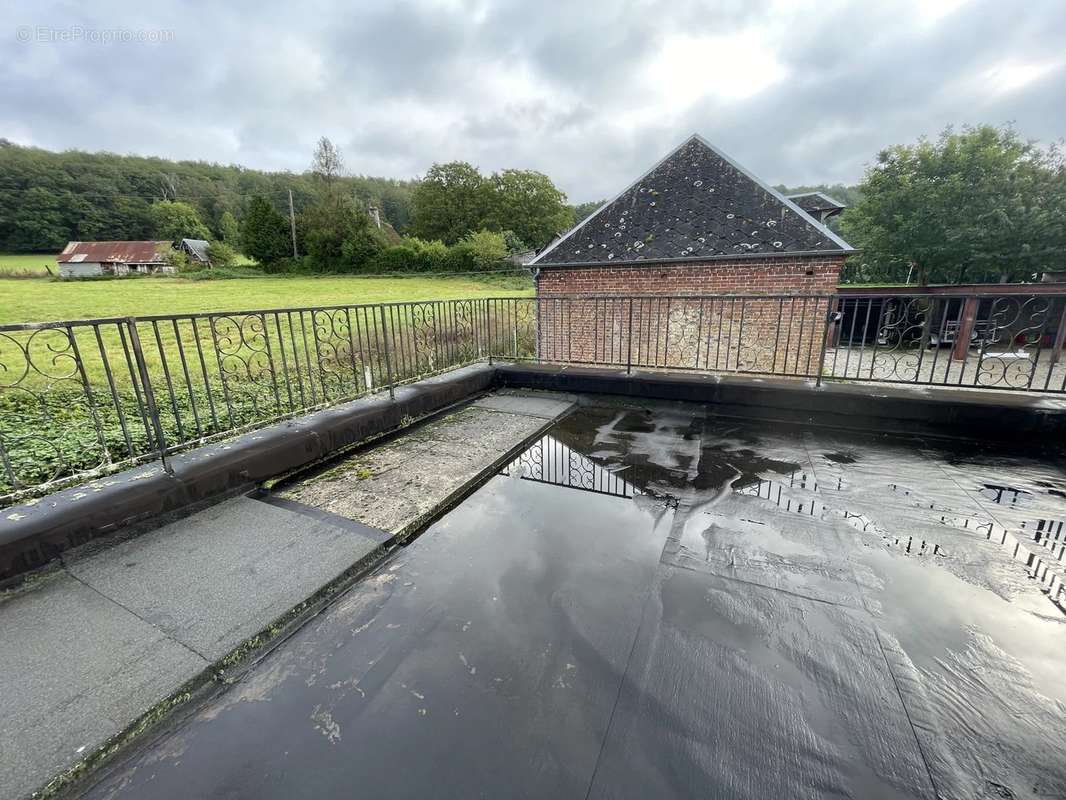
{"x": 35, "y": 533}
{"x": 927, "y": 411}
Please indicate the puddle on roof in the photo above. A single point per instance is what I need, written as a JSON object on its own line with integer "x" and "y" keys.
{"x": 652, "y": 602}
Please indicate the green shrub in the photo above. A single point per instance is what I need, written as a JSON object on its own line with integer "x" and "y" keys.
{"x": 289, "y": 266}
{"x": 179, "y": 259}
{"x": 221, "y": 254}
{"x": 413, "y": 255}
{"x": 477, "y": 251}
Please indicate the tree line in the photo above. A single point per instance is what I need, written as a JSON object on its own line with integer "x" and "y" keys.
{"x": 454, "y": 219}
{"x": 459, "y": 221}
{"x": 48, "y": 199}
{"x": 977, "y": 205}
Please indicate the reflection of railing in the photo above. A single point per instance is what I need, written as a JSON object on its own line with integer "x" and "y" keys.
{"x": 550, "y": 461}
{"x": 1047, "y": 567}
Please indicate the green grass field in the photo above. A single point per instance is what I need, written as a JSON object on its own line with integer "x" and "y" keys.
{"x": 47, "y": 300}
{"x": 31, "y": 264}
{"x": 215, "y": 376}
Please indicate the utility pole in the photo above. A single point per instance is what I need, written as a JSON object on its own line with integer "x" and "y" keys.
{"x": 292, "y": 225}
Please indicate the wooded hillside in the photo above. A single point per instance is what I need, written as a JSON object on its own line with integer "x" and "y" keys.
{"x": 47, "y": 199}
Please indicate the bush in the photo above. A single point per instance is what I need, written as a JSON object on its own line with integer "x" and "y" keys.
{"x": 477, "y": 251}
{"x": 179, "y": 259}
{"x": 289, "y": 266}
{"x": 413, "y": 255}
{"x": 361, "y": 249}
{"x": 221, "y": 254}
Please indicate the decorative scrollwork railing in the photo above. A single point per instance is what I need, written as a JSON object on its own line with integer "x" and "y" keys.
{"x": 80, "y": 399}
{"x": 83, "y": 398}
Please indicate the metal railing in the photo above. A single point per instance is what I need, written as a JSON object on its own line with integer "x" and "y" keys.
{"x": 1010, "y": 341}
{"x": 80, "y": 399}
{"x": 84, "y": 398}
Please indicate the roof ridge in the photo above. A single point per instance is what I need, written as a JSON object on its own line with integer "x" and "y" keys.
{"x": 802, "y": 232}
{"x": 607, "y": 203}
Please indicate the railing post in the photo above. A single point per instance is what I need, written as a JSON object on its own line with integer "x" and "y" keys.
{"x": 385, "y": 345}
{"x": 1060, "y": 339}
{"x": 962, "y": 335}
{"x": 830, "y": 329}
{"x": 514, "y": 317}
{"x": 149, "y": 393}
{"x": 488, "y": 326}
{"x": 629, "y": 340}
{"x": 539, "y": 329}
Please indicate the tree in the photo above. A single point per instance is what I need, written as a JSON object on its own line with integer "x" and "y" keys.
{"x": 265, "y": 233}
{"x": 982, "y": 204}
{"x": 229, "y": 229}
{"x": 583, "y": 211}
{"x": 338, "y": 236}
{"x": 327, "y": 163}
{"x": 173, "y": 220}
{"x": 527, "y": 202}
{"x": 452, "y": 200}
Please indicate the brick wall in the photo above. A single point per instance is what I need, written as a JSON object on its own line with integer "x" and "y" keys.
{"x": 735, "y": 327}
{"x": 799, "y": 275}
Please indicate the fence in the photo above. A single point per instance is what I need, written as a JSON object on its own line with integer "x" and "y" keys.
{"x": 1010, "y": 341}
{"x": 80, "y": 399}
{"x": 84, "y": 398}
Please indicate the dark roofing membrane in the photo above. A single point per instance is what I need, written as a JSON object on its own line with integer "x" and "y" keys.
{"x": 816, "y": 201}
{"x": 693, "y": 205}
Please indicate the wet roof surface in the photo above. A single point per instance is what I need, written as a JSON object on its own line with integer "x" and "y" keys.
{"x": 694, "y": 204}
{"x": 652, "y": 603}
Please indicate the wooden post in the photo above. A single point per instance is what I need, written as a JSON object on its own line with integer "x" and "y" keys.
{"x": 965, "y": 330}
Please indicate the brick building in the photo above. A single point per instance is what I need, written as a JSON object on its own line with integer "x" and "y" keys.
{"x": 708, "y": 253}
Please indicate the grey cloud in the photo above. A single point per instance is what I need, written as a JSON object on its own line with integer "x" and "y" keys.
{"x": 562, "y": 88}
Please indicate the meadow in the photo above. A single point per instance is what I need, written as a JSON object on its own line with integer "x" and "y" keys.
{"x": 61, "y": 416}
{"x": 44, "y": 300}
{"x": 26, "y": 265}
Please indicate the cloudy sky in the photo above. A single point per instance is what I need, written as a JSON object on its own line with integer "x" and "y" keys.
{"x": 591, "y": 92}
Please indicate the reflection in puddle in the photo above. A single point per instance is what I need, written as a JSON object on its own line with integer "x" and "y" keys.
{"x": 1005, "y": 495}
{"x": 662, "y": 605}
{"x": 548, "y": 460}
{"x": 714, "y": 474}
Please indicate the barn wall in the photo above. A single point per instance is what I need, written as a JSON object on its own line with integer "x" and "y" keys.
{"x": 86, "y": 269}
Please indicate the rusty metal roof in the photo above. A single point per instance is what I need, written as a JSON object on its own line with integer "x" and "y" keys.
{"x": 115, "y": 252}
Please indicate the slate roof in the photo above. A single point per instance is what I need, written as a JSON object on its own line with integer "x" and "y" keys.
{"x": 817, "y": 202}
{"x": 694, "y": 205}
{"x": 197, "y": 248}
{"x": 115, "y": 252}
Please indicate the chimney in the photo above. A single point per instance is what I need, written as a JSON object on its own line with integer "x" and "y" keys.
{"x": 375, "y": 215}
